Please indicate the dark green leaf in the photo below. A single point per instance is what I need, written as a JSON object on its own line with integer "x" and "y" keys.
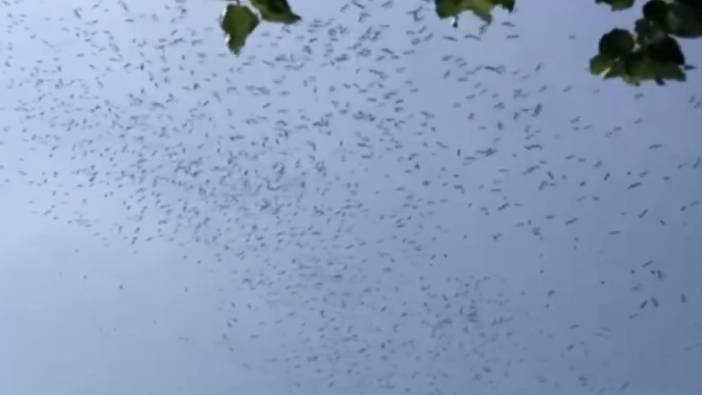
{"x": 482, "y": 8}
{"x": 617, "y": 43}
{"x": 238, "y": 22}
{"x": 600, "y": 65}
{"x": 657, "y": 11}
{"x": 666, "y": 51}
{"x": 685, "y": 20}
{"x": 275, "y": 11}
{"x": 506, "y": 4}
{"x": 649, "y": 32}
{"x": 642, "y": 67}
{"x": 617, "y": 70}
{"x": 617, "y": 4}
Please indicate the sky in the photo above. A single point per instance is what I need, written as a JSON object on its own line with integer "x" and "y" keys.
{"x": 354, "y": 204}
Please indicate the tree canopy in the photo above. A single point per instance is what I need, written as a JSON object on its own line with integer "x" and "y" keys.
{"x": 649, "y": 52}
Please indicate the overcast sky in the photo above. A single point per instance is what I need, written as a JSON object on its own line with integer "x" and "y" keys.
{"x": 353, "y": 205}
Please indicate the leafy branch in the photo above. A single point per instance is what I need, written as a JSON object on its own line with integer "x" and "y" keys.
{"x": 650, "y": 52}
{"x": 239, "y": 21}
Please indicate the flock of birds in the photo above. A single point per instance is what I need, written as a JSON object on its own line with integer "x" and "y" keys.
{"x": 338, "y": 166}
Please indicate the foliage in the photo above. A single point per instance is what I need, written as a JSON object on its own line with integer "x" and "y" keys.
{"x": 651, "y": 51}
{"x": 482, "y": 8}
{"x": 239, "y": 21}
{"x": 617, "y": 4}
{"x": 275, "y": 11}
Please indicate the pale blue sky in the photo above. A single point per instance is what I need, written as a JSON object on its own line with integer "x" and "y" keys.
{"x": 332, "y": 221}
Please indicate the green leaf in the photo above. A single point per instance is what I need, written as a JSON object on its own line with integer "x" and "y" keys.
{"x": 685, "y": 19}
{"x": 482, "y": 8}
{"x": 649, "y": 32}
{"x": 642, "y": 67}
{"x": 636, "y": 68}
{"x": 506, "y": 4}
{"x": 238, "y": 22}
{"x": 681, "y": 17}
{"x": 617, "y": 70}
{"x": 617, "y": 43}
{"x": 600, "y": 65}
{"x": 617, "y": 5}
{"x": 666, "y": 51}
{"x": 275, "y": 11}
{"x": 658, "y": 56}
{"x": 657, "y": 11}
